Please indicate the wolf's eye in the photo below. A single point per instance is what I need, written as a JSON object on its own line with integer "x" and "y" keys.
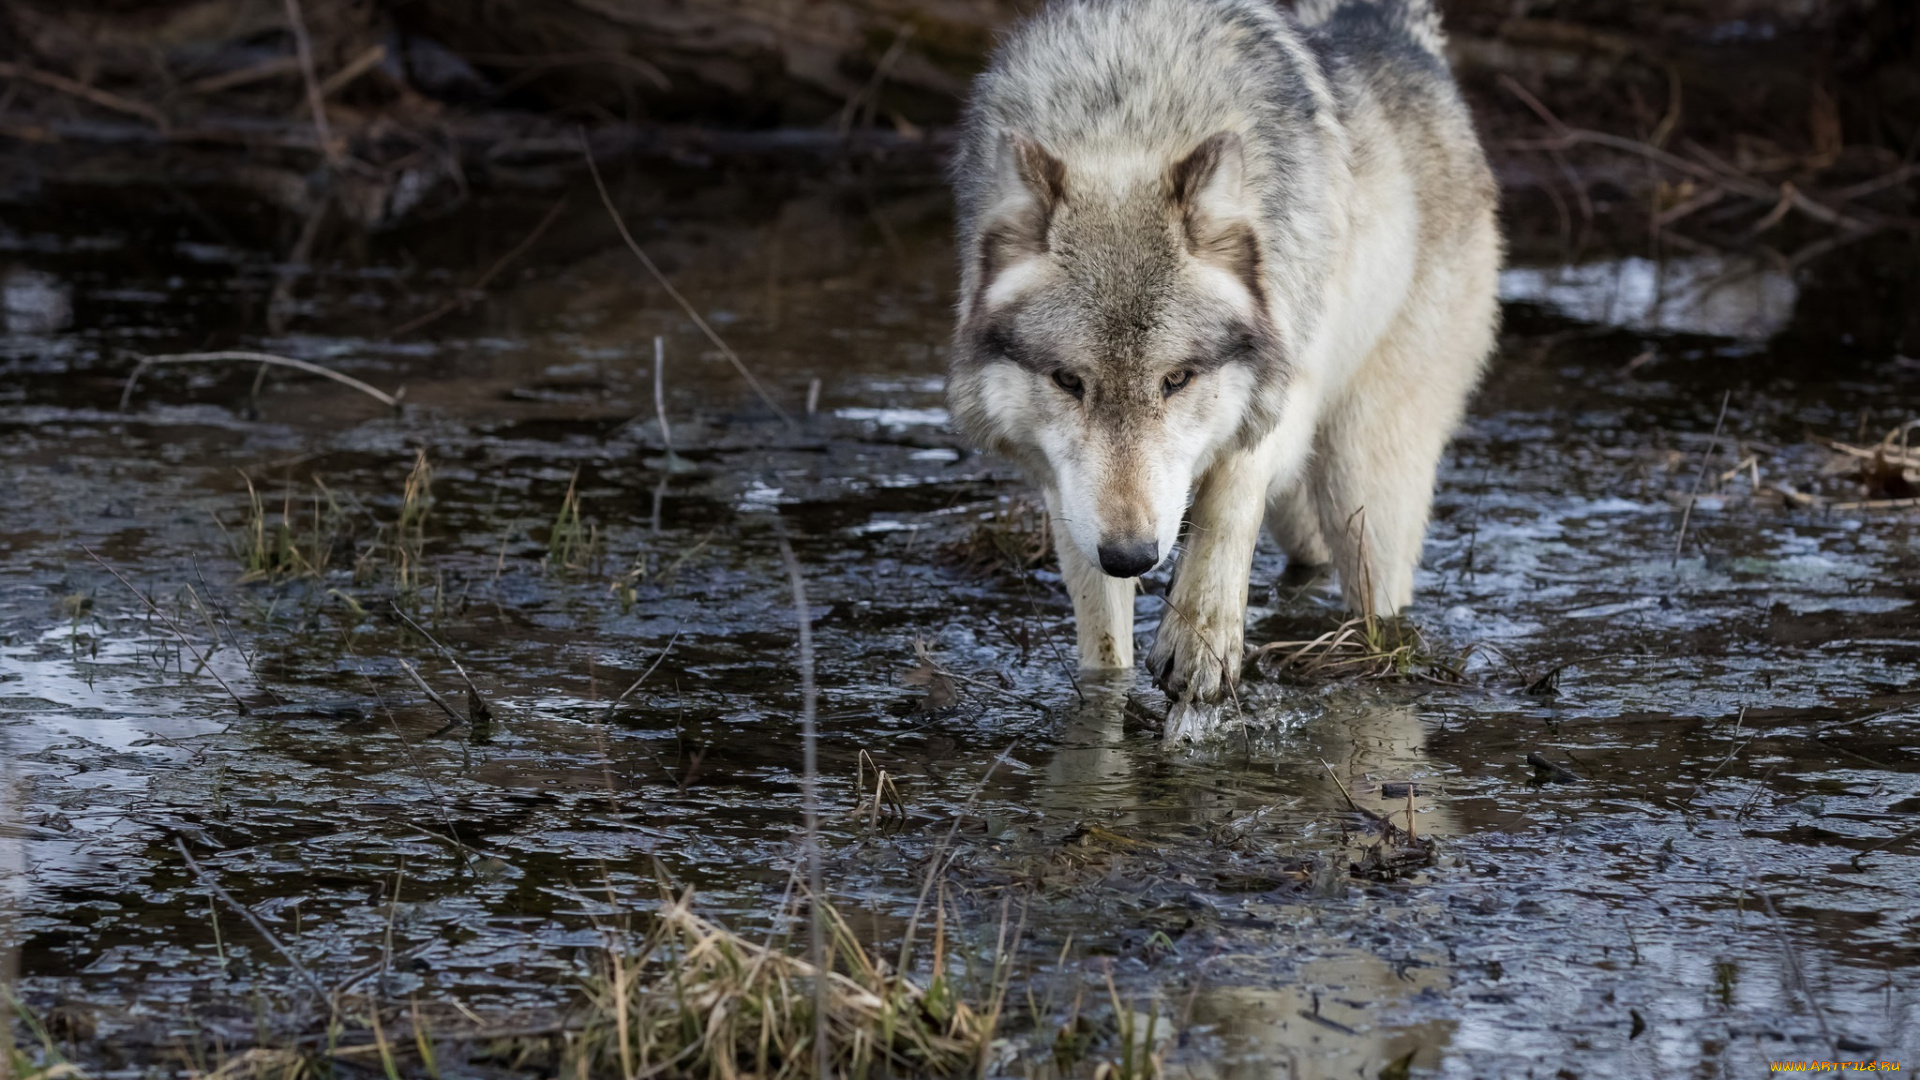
{"x": 1175, "y": 382}
{"x": 1068, "y": 381}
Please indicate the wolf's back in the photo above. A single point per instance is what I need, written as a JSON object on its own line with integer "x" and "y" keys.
{"x": 1418, "y": 20}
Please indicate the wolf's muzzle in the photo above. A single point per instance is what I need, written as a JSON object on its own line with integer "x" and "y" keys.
{"x": 1129, "y": 558}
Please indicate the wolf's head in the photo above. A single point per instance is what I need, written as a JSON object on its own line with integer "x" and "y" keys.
{"x": 1114, "y": 334}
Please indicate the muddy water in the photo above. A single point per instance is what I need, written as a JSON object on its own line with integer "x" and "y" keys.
{"x": 1721, "y": 875}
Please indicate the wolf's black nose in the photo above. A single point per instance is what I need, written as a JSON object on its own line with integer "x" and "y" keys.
{"x": 1129, "y": 558}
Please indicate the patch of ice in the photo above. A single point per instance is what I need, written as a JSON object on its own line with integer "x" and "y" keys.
{"x": 1700, "y": 294}
{"x": 895, "y": 418}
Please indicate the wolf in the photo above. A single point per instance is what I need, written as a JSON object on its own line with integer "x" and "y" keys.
{"x": 1221, "y": 263}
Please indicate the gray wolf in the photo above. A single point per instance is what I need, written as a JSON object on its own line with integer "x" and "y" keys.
{"x": 1221, "y": 263}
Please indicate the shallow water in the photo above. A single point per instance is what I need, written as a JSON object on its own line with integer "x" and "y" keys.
{"x": 1727, "y": 882}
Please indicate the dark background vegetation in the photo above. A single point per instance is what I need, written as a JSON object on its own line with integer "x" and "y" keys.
{"x": 1785, "y": 126}
{"x": 1808, "y": 75}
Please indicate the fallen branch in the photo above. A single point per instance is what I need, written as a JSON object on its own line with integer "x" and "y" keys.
{"x": 391, "y": 401}
{"x": 1884, "y": 450}
{"x": 1713, "y": 170}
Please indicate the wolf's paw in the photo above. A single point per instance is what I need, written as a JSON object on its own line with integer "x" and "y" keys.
{"x": 1196, "y": 658}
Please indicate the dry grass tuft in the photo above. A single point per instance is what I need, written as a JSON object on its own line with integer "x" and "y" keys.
{"x": 297, "y": 544}
{"x": 1363, "y": 647}
{"x": 1015, "y": 536}
{"x": 573, "y": 544}
{"x": 1367, "y": 646}
{"x": 316, "y": 535}
{"x": 698, "y": 999}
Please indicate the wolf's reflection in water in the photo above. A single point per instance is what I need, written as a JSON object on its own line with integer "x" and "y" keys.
{"x": 1321, "y": 980}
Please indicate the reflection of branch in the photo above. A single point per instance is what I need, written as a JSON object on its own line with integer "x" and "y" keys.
{"x": 633, "y": 245}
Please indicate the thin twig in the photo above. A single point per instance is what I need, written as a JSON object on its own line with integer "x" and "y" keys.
{"x": 1071, "y": 669}
{"x": 389, "y": 400}
{"x": 252, "y": 73}
{"x": 1793, "y": 962}
{"x": 1347, "y": 795}
{"x": 431, "y": 696}
{"x": 246, "y": 913}
{"x": 925, "y": 656}
{"x": 646, "y": 261}
{"x": 861, "y": 104}
{"x": 816, "y": 944}
{"x": 356, "y": 67}
{"x": 75, "y": 88}
{"x": 480, "y": 283}
{"x": 1687, "y": 514}
{"x": 316, "y": 99}
{"x": 628, "y": 692}
{"x": 478, "y": 703}
{"x": 934, "y": 867}
{"x": 1228, "y": 675}
{"x": 1538, "y": 108}
{"x": 171, "y": 625}
{"x": 1738, "y": 723}
{"x": 290, "y": 271}
{"x": 1867, "y": 187}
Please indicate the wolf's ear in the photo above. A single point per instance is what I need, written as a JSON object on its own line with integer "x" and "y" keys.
{"x": 1026, "y": 170}
{"x": 1030, "y": 184}
{"x": 1208, "y": 188}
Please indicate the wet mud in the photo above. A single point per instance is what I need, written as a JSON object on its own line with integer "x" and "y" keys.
{"x": 1667, "y": 821}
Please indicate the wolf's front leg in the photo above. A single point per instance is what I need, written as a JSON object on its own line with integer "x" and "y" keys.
{"x": 1102, "y": 605}
{"x": 1197, "y": 654}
